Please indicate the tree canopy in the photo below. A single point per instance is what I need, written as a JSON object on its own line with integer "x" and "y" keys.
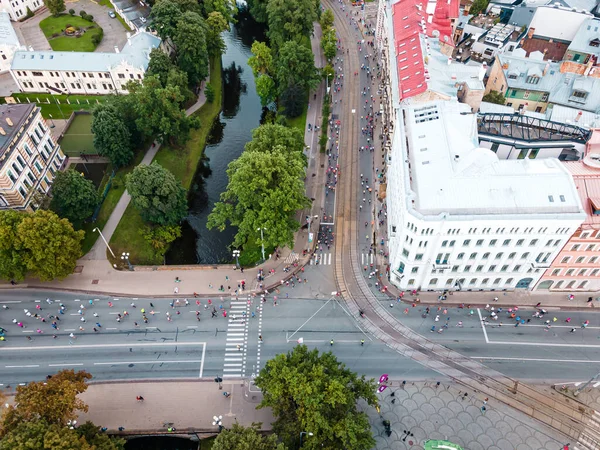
{"x": 296, "y": 65}
{"x": 74, "y": 197}
{"x": 265, "y": 189}
{"x": 329, "y": 43}
{"x": 38, "y": 243}
{"x": 56, "y": 7}
{"x": 157, "y": 194}
{"x": 111, "y": 135}
{"x": 165, "y": 14}
{"x": 245, "y": 438}
{"x": 215, "y": 25}
{"x": 494, "y": 97}
{"x": 311, "y": 391}
{"x": 190, "y": 40}
{"x": 290, "y": 20}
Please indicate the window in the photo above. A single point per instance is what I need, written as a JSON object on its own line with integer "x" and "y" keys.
{"x": 27, "y": 149}
{"x": 473, "y": 256}
{"x": 589, "y": 248}
{"x": 509, "y": 281}
{"x": 460, "y": 256}
{"x": 582, "y": 272}
{"x": 499, "y": 255}
{"x": 473, "y": 282}
{"x": 467, "y": 242}
{"x": 120, "y": 75}
{"x": 37, "y": 74}
{"x": 582, "y": 284}
{"x": 433, "y": 282}
{"x": 575, "y": 248}
{"x": 486, "y": 255}
{"x": 579, "y": 260}
{"x": 418, "y": 256}
{"x": 533, "y": 242}
{"x": 401, "y": 267}
{"x": 593, "y": 259}
{"x": 497, "y": 281}
{"x": 494, "y": 147}
{"x": 31, "y": 177}
{"x": 479, "y": 242}
{"x": 479, "y": 269}
{"x": 22, "y": 192}
{"x": 11, "y": 176}
{"x": 449, "y": 282}
{"x": 534, "y": 152}
{"x": 520, "y": 242}
{"x": 555, "y": 272}
{"x": 558, "y": 284}
{"x": 565, "y": 260}
{"x": 579, "y": 95}
{"x": 493, "y": 242}
{"x": 452, "y": 243}
{"x": 570, "y": 272}
{"x": 517, "y": 268}
{"x": 532, "y": 79}
{"x": 492, "y": 267}
{"x": 16, "y": 168}
{"x": 504, "y": 268}
{"x": 467, "y": 268}
{"x": 525, "y": 255}
{"x": 526, "y": 95}
{"x": 512, "y": 255}
{"x": 485, "y": 281}
{"x": 404, "y": 252}
{"x": 444, "y": 243}
{"x": 414, "y": 270}
{"x": 454, "y": 268}
{"x": 411, "y": 282}
{"x": 594, "y": 272}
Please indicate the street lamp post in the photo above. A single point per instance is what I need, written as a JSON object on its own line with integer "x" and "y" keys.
{"x": 236, "y": 255}
{"x": 302, "y": 433}
{"x": 218, "y": 421}
{"x": 262, "y": 242}
{"x": 581, "y": 388}
{"x": 102, "y": 236}
{"x": 125, "y": 257}
{"x": 219, "y": 380}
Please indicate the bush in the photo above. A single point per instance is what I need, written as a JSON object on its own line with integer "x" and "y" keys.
{"x": 29, "y": 13}
{"x": 90, "y": 18}
{"x": 82, "y": 13}
{"x": 209, "y": 92}
{"x": 96, "y": 39}
{"x": 72, "y": 12}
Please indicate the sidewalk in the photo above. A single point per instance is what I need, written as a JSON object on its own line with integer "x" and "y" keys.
{"x": 189, "y": 406}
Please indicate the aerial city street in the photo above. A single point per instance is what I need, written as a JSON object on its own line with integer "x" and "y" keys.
{"x": 336, "y": 224}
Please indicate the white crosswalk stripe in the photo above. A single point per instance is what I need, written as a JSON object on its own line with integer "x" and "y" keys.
{"x": 367, "y": 258}
{"x": 234, "y": 365}
{"x": 323, "y": 259}
{"x": 292, "y": 258}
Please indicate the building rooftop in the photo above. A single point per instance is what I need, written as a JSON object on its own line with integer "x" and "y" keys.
{"x": 573, "y": 116}
{"x": 17, "y": 115}
{"x": 557, "y": 22}
{"x": 7, "y": 32}
{"x": 554, "y": 51}
{"x": 408, "y": 20}
{"x": 587, "y": 39}
{"x": 517, "y": 68}
{"x": 136, "y": 52}
{"x": 452, "y": 175}
{"x": 587, "y": 180}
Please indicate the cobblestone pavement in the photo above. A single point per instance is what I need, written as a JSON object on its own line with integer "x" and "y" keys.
{"x": 427, "y": 411}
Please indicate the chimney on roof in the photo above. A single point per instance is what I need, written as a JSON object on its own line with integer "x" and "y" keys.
{"x": 530, "y": 33}
{"x": 420, "y": 6}
{"x": 117, "y": 49}
{"x": 588, "y": 67}
{"x": 2, "y": 132}
{"x": 578, "y": 116}
{"x": 9, "y": 122}
{"x": 546, "y": 67}
{"x": 30, "y": 48}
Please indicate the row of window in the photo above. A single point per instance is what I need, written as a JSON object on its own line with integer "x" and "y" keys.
{"x": 580, "y": 272}
{"x": 442, "y": 258}
{"x": 505, "y": 243}
{"x": 513, "y": 230}
{"x": 450, "y": 282}
{"x": 579, "y": 260}
{"x": 479, "y": 268}
{"x": 571, "y": 284}
{"x": 72, "y": 74}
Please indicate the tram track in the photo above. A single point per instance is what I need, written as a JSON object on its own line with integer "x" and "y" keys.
{"x": 570, "y": 418}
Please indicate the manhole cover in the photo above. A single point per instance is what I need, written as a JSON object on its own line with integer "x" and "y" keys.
{"x": 78, "y": 269}
{"x": 95, "y": 281}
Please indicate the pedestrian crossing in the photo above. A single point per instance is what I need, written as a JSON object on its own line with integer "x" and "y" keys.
{"x": 590, "y": 437}
{"x": 321, "y": 259}
{"x": 367, "y": 258}
{"x": 236, "y": 344}
{"x": 292, "y": 258}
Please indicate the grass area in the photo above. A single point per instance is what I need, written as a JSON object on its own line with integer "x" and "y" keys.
{"x": 300, "y": 121}
{"x": 78, "y": 137}
{"x": 60, "y": 106}
{"x": 112, "y": 198}
{"x": 182, "y": 163}
{"x": 54, "y": 27}
{"x": 252, "y": 253}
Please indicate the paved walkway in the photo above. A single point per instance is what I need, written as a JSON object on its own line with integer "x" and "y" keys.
{"x": 427, "y": 411}
{"x": 185, "y": 405}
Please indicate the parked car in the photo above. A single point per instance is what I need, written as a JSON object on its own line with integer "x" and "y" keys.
{"x": 112, "y": 14}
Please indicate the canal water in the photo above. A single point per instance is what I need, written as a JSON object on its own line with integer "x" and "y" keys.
{"x": 229, "y": 133}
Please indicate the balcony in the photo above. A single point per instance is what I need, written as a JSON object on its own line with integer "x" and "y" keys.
{"x": 541, "y": 264}
{"x": 441, "y": 264}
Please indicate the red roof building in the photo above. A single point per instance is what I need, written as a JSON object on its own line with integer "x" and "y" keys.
{"x": 440, "y": 25}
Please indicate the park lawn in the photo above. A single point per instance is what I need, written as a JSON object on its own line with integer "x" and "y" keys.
{"x": 182, "y": 163}
{"x": 58, "y": 108}
{"x": 78, "y": 138}
{"x": 300, "y": 121}
{"x": 56, "y": 25}
{"x": 111, "y": 200}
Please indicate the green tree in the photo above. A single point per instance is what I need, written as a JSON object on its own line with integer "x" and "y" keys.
{"x": 328, "y": 73}
{"x": 327, "y": 19}
{"x": 189, "y": 5}
{"x": 54, "y": 401}
{"x": 290, "y": 20}
{"x": 494, "y": 97}
{"x": 56, "y": 7}
{"x": 311, "y": 391}
{"x": 160, "y": 237}
{"x": 74, "y": 197}
{"x": 265, "y": 137}
{"x": 258, "y": 10}
{"x": 111, "y": 135}
{"x": 12, "y": 265}
{"x": 190, "y": 40}
{"x": 215, "y": 25}
{"x": 179, "y": 79}
{"x": 165, "y": 14}
{"x": 478, "y": 7}
{"x": 261, "y": 60}
{"x": 49, "y": 246}
{"x": 158, "y": 111}
{"x": 245, "y": 438}
{"x": 329, "y": 43}
{"x": 126, "y": 107}
{"x": 227, "y": 9}
{"x": 159, "y": 65}
{"x": 293, "y": 100}
{"x": 265, "y": 189}
{"x": 157, "y": 194}
{"x": 101, "y": 441}
{"x": 296, "y": 65}
{"x": 41, "y": 435}
{"x": 266, "y": 89}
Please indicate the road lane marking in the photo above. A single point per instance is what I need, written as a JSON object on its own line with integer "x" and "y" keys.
{"x": 143, "y": 344}
{"x": 22, "y": 367}
{"x": 540, "y": 344}
{"x": 65, "y": 365}
{"x": 202, "y": 363}
{"x": 233, "y": 365}
{"x": 487, "y": 341}
{"x": 536, "y": 359}
{"x": 158, "y": 361}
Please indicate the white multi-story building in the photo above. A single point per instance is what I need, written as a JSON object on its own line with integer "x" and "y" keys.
{"x": 461, "y": 218}
{"x": 9, "y": 42}
{"x": 84, "y": 72}
{"x": 17, "y": 9}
